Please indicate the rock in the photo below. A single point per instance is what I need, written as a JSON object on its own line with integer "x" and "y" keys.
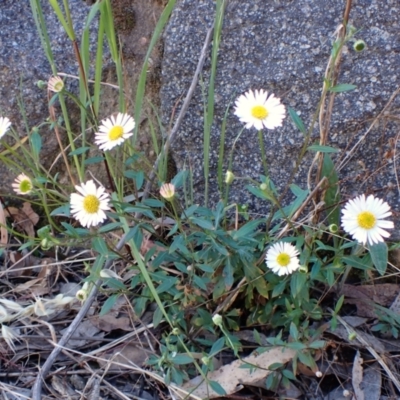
{"x": 23, "y": 62}
{"x": 283, "y": 47}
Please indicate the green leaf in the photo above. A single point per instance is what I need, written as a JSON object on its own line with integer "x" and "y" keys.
{"x": 339, "y": 304}
{"x": 217, "y": 388}
{"x": 246, "y": 229}
{"x": 166, "y": 284}
{"x": 108, "y": 304}
{"x": 36, "y": 142}
{"x": 297, "y": 121}
{"x": 332, "y": 195}
{"x": 109, "y": 227}
{"x": 217, "y": 346}
{"x": 157, "y": 317}
{"x": 202, "y": 223}
{"x": 93, "y": 160}
{"x": 296, "y": 346}
{"x": 323, "y": 149}
{"x": 288, "y": 374}
{"x": 79, "y": 151}
{"x": 357, "y": 262}
{"x": 342, "y": 87}
{"x": 297, "y": 283}
{"x": 63, "y": 210}
{"x": 182, "y": 359}
{"x": 379, "y": 256}
{"x": 318, "y": 344}
{"x": 294, "y": 332}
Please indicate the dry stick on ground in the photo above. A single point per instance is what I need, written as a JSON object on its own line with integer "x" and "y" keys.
{"x": 331, "y": 76}
{"x": 37, "y": 387}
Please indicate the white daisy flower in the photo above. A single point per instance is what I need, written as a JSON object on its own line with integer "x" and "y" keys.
{"x": 363, "y": 219}
{"x": 114, "y": 131}
{"x": 5, "y": 124}
{"x": 88, "y": 207}
{"x": 258, "y": 110}
{"x": 282, "y": 258}
{"x": 22, "y": 184}
{"x": 55, "y": 84}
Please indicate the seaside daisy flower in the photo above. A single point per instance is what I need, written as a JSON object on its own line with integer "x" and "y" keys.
{"x": 114, "y": 131}
{"x": 89, "y": 204}
{"x": 282, "y": 258}
{"x": 55, "y": 84}
{"x": 363, "y": 219}
{"x": 5, "y": 124}
{"x": 167, "y": 191}
{"x": 258, "y": 110}
{"x": 22, "y": 184}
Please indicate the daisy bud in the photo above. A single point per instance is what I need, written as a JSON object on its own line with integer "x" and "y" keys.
{"x": 175, "y": 331}
{"x": 352, "y": 336}
{"x": 55, "y": 84}
{"x": 333, "y": 228}
{"x": 318, "y": 374}
{"x": 229, "y": 177}
{"x": 217, "y": 319}
{"x": 263, "y": 186}
{"x": 167, "y": 191}
{"x": 41, "y": 84}
{"x": 303, "y": 269}
{"x": 346, "y": 393}
{"x": 359, "y": 45}
{"x": 205, "y": 360}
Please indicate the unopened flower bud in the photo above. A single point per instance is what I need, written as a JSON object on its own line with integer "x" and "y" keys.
{"x": 263, "y": 186}
{"x": 205, "y": 360}
{"x": 352, "y": 336}
{"x": 217, "y": 319}
{"x": 318, "y": 374}
{"x": 167, "y": 191}
{"x": 41, "y": 84}
{"x": 359, "y": 45}
{"x": 229, "y": 177}
{"x": 333, "y": 228}
{"x": 175, "y": 331}
{"x": 346, "y": 393}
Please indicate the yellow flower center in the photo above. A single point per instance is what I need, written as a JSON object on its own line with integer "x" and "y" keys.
{"x": 283, "y": 259}
{"x": 116, "y": 132}
{"x": 91, "y": 204}
{"x": 366, "y": 220}
{"x": 58, "y": 86}
{"x": 259, "y": 112}
{"x": 25, "y": 186}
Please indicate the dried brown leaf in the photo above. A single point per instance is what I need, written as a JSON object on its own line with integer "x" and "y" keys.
{"x": 232, "y": 376}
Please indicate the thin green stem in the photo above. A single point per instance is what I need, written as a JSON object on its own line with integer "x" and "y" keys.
{"x": 263, "y": 155}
